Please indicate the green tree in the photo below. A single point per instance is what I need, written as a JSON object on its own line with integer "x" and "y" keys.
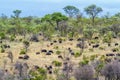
{"x": 93, "y": 11}
{"x": 16, "y": 13}
{"x": 57, "y": 17}
{"x": 47, "y": 18}
{"x": 71, "y": 10}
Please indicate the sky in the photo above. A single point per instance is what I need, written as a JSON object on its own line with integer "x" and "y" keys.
{"x": 42, "y": 7}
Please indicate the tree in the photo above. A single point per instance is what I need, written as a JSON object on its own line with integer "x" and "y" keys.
{"x": 93, "y": 11}
{"x": 57, "y": 17}
{"x": 16, "y": 13}
{"x": 71, "y": 10}
{"x": 85, "y": 72}
{"x": 111, "y": 71}
{"x": 47, "y": 18}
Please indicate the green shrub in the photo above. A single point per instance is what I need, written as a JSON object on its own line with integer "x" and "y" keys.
{"x": 108, "y": 37}
{"x": 85, "y": 57}
{"x": 2, "y": 50}
{"x": 85, "y": 62}
{"x": 20, "y": 39}
{"x": 91, "y": 49}
{"x": 101, "y": 48}
{"x": 92, "y": 41}
{"x": 58, "y": 52}
{"x": 92, "y": 57}
{"x": 22, "y": 52}
{"x": 42, "y": 71}
{"x": 56, "y": 47}
{"x": 39, "y": 74}
{"x": 78, "y": 54}
{"x": 12, "y": 37}
{"x": 2, "y": 35}
{"x": 57, "y": 63}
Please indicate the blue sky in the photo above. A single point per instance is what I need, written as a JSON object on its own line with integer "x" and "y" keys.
{"x": 42, "y": 7}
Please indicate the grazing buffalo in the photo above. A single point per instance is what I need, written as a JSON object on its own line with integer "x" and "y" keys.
{"x": 55, "y": 41}
{"x": 69, "y": 49}
{"x": 96, "y": 37}
{"x": 50, "y": 72}
{"x": 51, "y": 51}
{"x": 71, "y": 39}
{"x": 48, "y": 53}
{"x": 109, "y": 44}
{"x": 79, "y": 39}
{"x": 96, "y": 46}
{"x": 72, "y": 53}
{"x": 51, "y": 43}
{"x": 118, "y": 54}
{"x": 43, "y": 50}
{"x": 26, "y": 57}
{"x": 20, "y": 57}
{"x": 37, "y": 53}
{"x": 116, "y": 44}
{"x": 60, "y": 56}
{"x": 114, "y": 50}
{"x": 60, "y": 41}
{"x": 110, "y": 54}
{"x": 36, "y": 67}
{"x": 0, "y": 41}
{"x": 6, "y": 46}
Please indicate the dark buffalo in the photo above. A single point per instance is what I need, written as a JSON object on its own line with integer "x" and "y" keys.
{"x": 118, "y": 54}
{"x": 110, "y": 54}
{"x": 71, "y": 39}
{"x": 116, "y": 44}
{"x": 26, "y": 57}
{"x": 60, "y": 56}
{"x": 96, "y": 46}
{"x": 51, "y": 51}
{"x": 48, "y": 53}
{"x": 96, "y": 37}
{"x": 20, "y": 57}
{"x": 43, "y": 50}
{"x": 37, "y": 53}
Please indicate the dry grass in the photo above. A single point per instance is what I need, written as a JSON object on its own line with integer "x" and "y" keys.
{"x": 43, "y": 59}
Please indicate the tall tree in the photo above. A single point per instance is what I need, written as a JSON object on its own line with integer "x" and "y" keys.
{"x": 47, "y": 18}
{"x": 17, "y": 20}
{"x": 93, "y": 11}
{"x": 16, "y": 13}
{"x": 57, "y": 17}
{"x": 71, "y": 10}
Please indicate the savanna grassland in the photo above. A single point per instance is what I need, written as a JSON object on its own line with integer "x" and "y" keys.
{"x": 60, "y": 47}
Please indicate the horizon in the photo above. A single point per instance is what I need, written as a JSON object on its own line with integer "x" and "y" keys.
{"x": 40, "y": 8}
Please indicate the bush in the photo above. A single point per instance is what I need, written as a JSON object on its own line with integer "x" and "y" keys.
{"x": 78, "y": 54}
{"x": 58, "y": 52}
{"x": 108, "y": 37}
{"x": 111, "y": 71}
{"x": 84, "y": 73}
{"x": 12, "y": 37}
{"x": 85, "y": 62}
{"x": 56, "y": 47}
{"x": 91, "y": 49}
{"x": 101, "y": 48}
{"x": 57, "y": 63}
{"x": 92, "y": 57}
{"x": 2, "y": 50}
{"x": 40, "y": 74}
{"x": 22, "y": 52}
{"x": 2, "y": 35}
